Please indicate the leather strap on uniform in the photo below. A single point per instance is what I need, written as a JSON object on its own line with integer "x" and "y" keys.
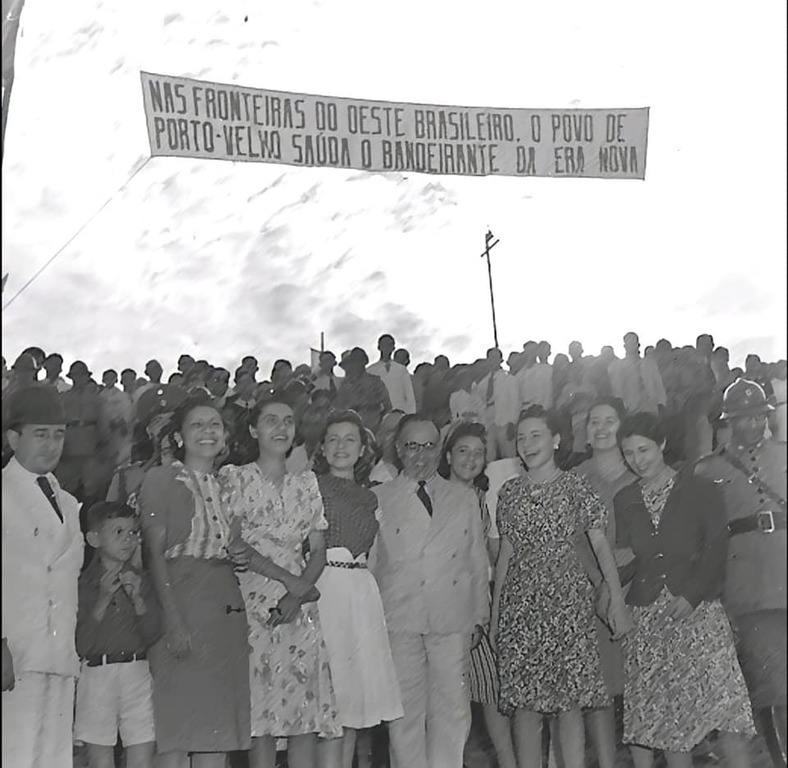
{"x": 767, "y": 489}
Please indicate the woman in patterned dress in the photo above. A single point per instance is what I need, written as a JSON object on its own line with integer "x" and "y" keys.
{"x": 463, "y": 460}
{"x": 607, "y": 473}
{"x": 682, "y": 677}
{"x": 200, "y": 667}
{"x": 351, "y": 611}
{"x": 543, "y": 614}
{"x": 276, "y": 512}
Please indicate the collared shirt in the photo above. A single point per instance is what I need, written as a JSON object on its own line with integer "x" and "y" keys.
{"x": 398, "y": 383}
{"x": 41, "y": 559}
{"x": 638, "y": 383}
{"x": 121, "y": 629}
{"x": 500, "y": 399}
{"x": 431, "y": 570}
{"x": 535, "y": 385}
{"x": 188, "y": 504}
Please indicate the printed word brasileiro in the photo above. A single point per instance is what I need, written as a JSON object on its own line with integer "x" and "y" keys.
{"x": 462, "y": 126}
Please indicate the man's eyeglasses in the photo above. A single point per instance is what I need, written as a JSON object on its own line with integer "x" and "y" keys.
{"x": 414, "y": 447}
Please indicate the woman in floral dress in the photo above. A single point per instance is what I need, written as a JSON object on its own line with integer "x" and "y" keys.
{"x": 291, "y": 689}
{"x": 543, "y": 614}
{"x": 681, "y": 675}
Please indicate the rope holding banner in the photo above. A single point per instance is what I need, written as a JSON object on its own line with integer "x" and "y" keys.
{"x": 76, "y": 234}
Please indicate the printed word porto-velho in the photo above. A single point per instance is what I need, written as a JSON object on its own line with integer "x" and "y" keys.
{"x": 198, "y": 136}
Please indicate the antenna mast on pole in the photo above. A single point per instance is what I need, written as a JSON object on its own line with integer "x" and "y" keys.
{"x": 488, "y": 246}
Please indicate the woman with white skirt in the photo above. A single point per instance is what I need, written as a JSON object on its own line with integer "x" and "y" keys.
{"x": 351, "y": 612}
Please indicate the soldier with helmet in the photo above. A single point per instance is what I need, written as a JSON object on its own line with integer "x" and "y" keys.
{"x": 751, "y": 472}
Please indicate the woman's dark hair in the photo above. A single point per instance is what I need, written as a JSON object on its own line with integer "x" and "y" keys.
{"x": 254, "y": 417}
{"x": 368, "y": 457}
{"x": 616, "y": 403}
{"x": 554, "y": 425}
{"x": 547, "y": 415}
{"x": 264, "y": 402}
{"x": 464, "y": 429}
{"x": 198, "y": 398}
{"x": 643, "y": 425}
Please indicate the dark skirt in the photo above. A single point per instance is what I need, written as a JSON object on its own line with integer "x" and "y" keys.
{"x": 201, "y": 703}
{"x": 761, "y": 645}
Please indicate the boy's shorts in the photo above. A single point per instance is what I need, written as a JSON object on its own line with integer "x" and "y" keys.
{"x": 115, "y": 698}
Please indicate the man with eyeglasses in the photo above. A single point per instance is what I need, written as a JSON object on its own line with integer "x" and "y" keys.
{"x": 431, "y": 566}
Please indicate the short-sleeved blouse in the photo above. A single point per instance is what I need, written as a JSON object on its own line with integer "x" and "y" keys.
{"x": 350, "y": 511}
{"x": 188, "y": 505}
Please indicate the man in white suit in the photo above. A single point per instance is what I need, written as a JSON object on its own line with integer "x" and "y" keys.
{"x": 42, "y": 556}
{"x": 431, "y": 566}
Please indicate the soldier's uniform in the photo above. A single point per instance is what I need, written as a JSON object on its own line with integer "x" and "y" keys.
{"x": 752, "y": 479}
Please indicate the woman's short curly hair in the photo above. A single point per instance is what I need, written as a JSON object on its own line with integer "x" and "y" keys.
{"x": 196, "y": 399}
{"x": 643, "y": 425}
{"x": 370, "y": 453}
{"x": 464, "y": 428}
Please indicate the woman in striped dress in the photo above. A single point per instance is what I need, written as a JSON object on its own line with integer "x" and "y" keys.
{"x": 463, "y": 460}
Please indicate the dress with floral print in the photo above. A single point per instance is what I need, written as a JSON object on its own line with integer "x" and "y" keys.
{"x": 548, "y": 660}
{"x": 682, "y": 677}
{"x": 291, "y": 687}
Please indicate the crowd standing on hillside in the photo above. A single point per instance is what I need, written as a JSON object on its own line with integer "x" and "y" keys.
{"x": 591, "y": 545}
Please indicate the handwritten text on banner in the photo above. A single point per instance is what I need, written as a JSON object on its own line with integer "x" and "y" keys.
{"x": 192, "y": 118}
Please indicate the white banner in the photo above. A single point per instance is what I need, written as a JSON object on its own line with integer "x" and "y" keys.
{"x": 192, "y": 118}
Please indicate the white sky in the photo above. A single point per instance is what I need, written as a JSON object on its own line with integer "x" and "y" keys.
{"x": 222, "y": 260}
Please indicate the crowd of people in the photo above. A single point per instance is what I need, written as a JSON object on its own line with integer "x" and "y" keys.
{"x": 588, "y": 545}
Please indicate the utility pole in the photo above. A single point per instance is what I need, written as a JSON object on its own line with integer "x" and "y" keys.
{"x": 488, "y": 246}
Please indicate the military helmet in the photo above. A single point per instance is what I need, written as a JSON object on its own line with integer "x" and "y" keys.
{"x": 744, "y": 398}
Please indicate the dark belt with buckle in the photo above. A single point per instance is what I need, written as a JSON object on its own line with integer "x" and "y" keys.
{"x": 115, "y": 658}
{"x": 766, "y": 521}
{"x": 341, "y": 564}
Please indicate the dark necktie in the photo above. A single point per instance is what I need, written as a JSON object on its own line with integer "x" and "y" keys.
{"x": 424, "y": 497}
{"x": 332, "y": 387}
{"x": 44, "y": 485}
{"x": 388, "y": 367}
